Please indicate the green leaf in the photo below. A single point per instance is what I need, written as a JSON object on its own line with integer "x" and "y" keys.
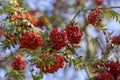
{"x": 15, "y": 74}
{"x": 6, "y": 46}
{"x": 113, "y": 14}
{"x": 36, "y": 75}
{"x": 104, "y": 29}
{"x": 68, "y": 51}
{"x": 76, "y": 67}
{"x": 77, "y": 63}
{"x": 102, "y": 25}
{"x": 36, "y": 60}
{"x": 49, "y": 60}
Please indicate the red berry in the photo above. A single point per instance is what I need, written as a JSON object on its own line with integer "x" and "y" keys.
{"x": 9, "y": 79}
{"x": 19, "y": 63}
{"x": 41, "y": 22}
{"x": 1, "y": 31}
{"x": 30, "y": 40}
{"x": 58, "y": 62}
{"x": 56, "y": 4}
{"x": 74, "y": 34}
{"x": 116, "y": 40}
{"x": 33, "y": 12}
{"x": 104, "y": 76}
{"x": 59, "y": 38}
{"x": 113, "y": 68}
{"x": 99, "y": 2}
{"x": 95, "y": 17}
{"x": 78, "y": 2}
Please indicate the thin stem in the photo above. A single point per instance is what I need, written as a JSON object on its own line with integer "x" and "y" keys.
{"x": 92, "y": 9}
{"x": 100, "y": 46}
{"x": 114, "y": 52}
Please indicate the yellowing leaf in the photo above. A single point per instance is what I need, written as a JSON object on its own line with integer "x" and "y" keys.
{"x": 76, "y": 46}
{"x": 102, "y": 25}
{"x": 68, "y": 51}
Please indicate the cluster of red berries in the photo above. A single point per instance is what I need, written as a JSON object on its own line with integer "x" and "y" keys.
{"x": 99, "y": 2}
{"x": 104, "y": 76}
{"x": 95, "y": 17}
{"x": 19, "y": 63}
{"x": 116, "y": 40}
{"x": 112, "y": 70}
{"x": 74, "y": 34}
{"x": 30, "y": 40}
{"x": 59, "y": 38}
{"x": 41, "y": 22}
{"x": 71, "y": 34}
{"x": 57, "y": 63}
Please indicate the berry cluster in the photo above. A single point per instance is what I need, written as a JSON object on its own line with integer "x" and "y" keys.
{"x": 47, "y": 67}
{"x": 71, "y": 34}
{"x": 99, "y": 2}
{"x": 41, "y": 22}
{"x": 116, "y": 40}
{"x": 19, "y": 63}
{"x": 59, "y": 38}
{"x": 112, "y": 68}
{"x": 104, "y": 76}
{"x": 95, "y": 17}
{"x": 74, "y": 34}
{"x": 30, "y": 40}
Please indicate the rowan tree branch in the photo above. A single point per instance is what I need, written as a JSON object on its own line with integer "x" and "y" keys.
{"x": 91, "y": 10}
